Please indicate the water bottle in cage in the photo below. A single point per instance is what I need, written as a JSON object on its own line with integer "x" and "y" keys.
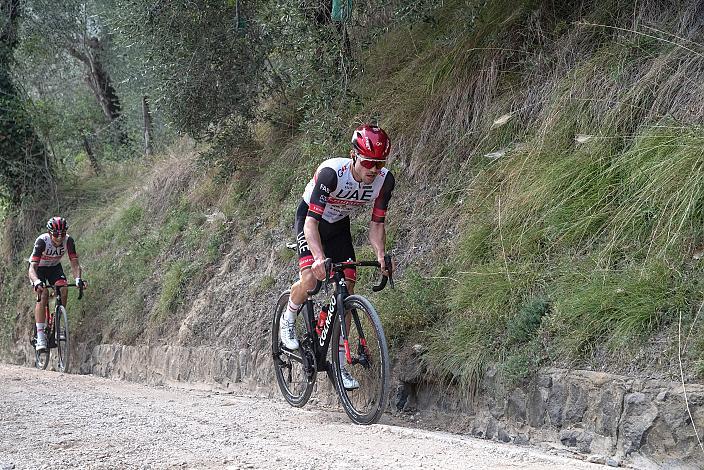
{"x": 321, "y": 320}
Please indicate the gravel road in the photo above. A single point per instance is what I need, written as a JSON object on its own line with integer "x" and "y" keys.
{"x": 91, "y": 423}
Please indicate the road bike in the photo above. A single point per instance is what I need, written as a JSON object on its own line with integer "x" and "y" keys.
{"x": 57, "y": 332}
{"x": 361, "y": 337}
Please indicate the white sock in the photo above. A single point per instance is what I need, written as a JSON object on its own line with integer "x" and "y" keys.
{"x": 40, "y": 328}
{"x": 291, "y": 311}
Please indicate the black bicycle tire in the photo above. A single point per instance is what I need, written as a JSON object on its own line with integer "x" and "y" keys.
{"x": 294, "y": 400}
{"x": 373, "y": 416}
{"x": 63, "y": 353}
{"x": 37, "y": 355}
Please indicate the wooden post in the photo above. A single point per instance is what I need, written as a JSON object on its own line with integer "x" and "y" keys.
{"x": 147, "y": 126}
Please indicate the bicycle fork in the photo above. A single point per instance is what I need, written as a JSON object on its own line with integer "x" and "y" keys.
{"x": 362, "y": 350}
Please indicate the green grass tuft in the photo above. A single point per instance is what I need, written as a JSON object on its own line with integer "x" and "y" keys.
{"x": 172, "y": 290}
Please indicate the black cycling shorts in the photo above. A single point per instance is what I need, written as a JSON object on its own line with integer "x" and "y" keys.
{"x": 336, "y": 239}
{"x": 51, "y": 275}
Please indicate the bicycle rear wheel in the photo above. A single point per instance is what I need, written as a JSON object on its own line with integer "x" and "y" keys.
{"x": 41, "y": 359}
{"x": 370, "y": 363}
{"x": 62, "y": 338}
{"x": 295, "y": 370}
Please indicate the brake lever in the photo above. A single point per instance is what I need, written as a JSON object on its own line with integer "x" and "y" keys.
{"x": 390, "y": 268}
{"x": 384, "y": 278}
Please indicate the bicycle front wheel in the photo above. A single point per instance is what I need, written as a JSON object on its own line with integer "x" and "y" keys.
{"x": 62, "y": 338}
{"x": 295, "y": 370}
{"x": 370, "y": 363}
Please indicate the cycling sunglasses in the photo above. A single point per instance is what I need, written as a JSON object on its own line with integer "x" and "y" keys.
{"x": 57, "y": 234}
{"x": 370, "y": 163}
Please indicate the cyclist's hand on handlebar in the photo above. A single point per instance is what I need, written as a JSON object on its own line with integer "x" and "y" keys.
{"x": 384, "y": 268}
{"x": 318, "y": 269}
{"x": 81, "y": 283}
{"x": 38, "y": 286}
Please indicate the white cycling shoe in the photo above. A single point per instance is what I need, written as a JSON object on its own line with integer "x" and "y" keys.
{"x": 287, "y": 334}
{"x": 349, "y": 382}
{"x": 40, "y": 345}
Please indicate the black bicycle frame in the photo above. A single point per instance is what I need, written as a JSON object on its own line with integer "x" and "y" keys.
{"x": 321, "y": 342}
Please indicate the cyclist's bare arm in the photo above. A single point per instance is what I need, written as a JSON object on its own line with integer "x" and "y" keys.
{"x": 310, "y": 229}
{"x": 76, "y": 268}
{"x": 377, "y": 227}
{"x": 377, "y": 238}
{"x": 33, "y": 272}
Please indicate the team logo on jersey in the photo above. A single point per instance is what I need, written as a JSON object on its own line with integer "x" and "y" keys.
{"x": 54, "y": 251}
{"x": 364, "y": 195}
{"x": 324, "y": 188}
{"x": 342, "y": 171}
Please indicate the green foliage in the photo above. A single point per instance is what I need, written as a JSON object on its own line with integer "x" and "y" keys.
{"x": 523, "y": 327}
{"x": 266, "y": 283}
{"x": 459, "y": 349}
{"x": 413, "y": 306}
{"x": 172, "y": 290}
{"x": 612, "y": 308}
{"x": 203, "y": 65}
{"x": 26, "y": 165}
{"x": 522, "y": 352}
{"x": 215, "y": 243}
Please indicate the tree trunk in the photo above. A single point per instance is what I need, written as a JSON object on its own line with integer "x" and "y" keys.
{"x": 91, "y": 156}
{"x": 98, "y": 80}
{"x": 10, "y": 11}
{"x": 147, "y": 126}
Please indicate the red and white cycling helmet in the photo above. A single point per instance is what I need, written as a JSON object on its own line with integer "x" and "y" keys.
{"x": 371, "y": 142}
{"x": 57, "y": 225}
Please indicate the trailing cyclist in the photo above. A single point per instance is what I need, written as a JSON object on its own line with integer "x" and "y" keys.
{"x": 322, "y": 223}
{"x": 45, "y": 269}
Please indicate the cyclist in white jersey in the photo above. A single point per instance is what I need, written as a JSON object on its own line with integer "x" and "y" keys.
{"x": 322, "y": 223}
{"x": 45, "y": 269}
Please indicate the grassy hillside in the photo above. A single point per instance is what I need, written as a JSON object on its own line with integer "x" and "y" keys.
{"x": 548, "y": 211}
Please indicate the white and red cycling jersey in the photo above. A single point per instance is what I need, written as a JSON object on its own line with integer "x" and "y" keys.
{"x": 333, "y": 193}
{"x": 46, "y": 253}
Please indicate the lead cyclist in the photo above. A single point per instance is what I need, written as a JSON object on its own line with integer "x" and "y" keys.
{"x": 322, "y": 223}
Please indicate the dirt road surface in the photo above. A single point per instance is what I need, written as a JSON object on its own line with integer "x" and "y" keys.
{"x": 94, "y": 423}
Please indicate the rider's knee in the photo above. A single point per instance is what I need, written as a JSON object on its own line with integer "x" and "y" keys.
{"x": 44, "y": 298}
{"x": 308, "y": 280}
